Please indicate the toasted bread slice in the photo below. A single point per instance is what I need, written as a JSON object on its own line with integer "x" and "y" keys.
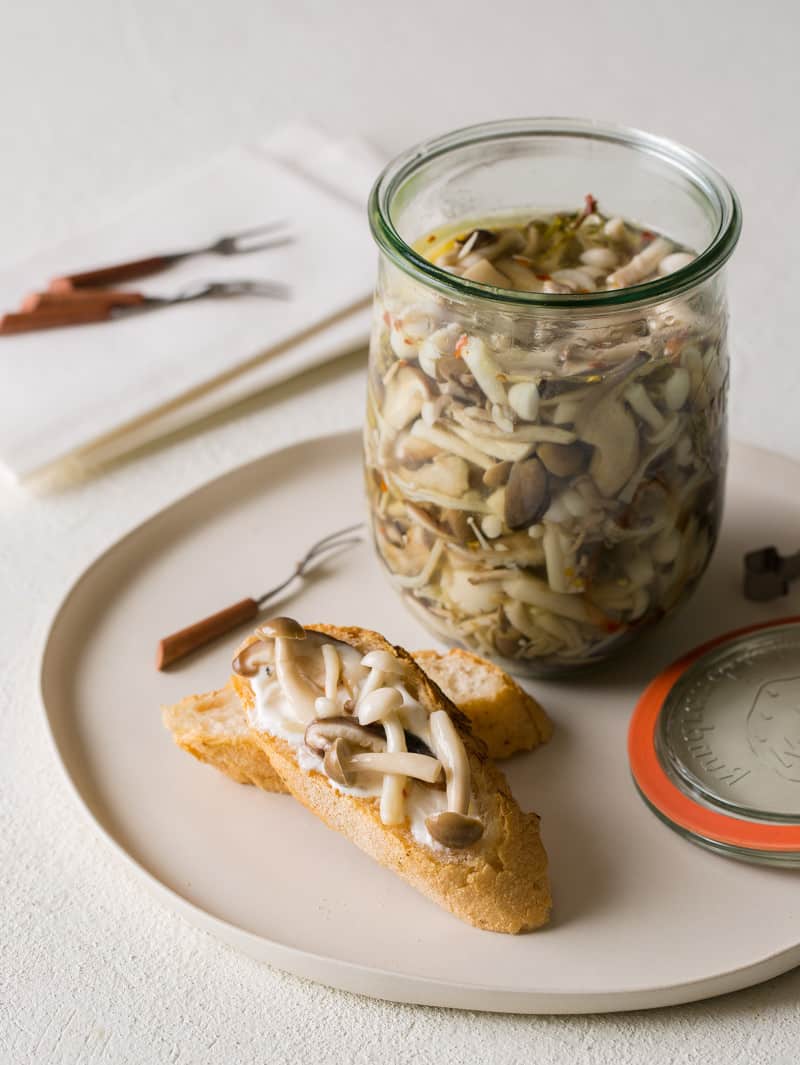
{"x": 213, "y": 727}
{"x": 505, "y": 717}
{"x": 498, "y": 882}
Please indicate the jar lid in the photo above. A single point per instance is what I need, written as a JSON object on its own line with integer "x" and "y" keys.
{"x": 714, "y": 744}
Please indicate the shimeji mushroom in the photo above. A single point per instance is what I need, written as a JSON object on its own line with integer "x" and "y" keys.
{"x": 467, "y": 596}
{"x": 676, "y": 261}
{"x": 405, "y": 394}
{"x": 575, "y": 278}
{"x": 641, "y": 265}
{"x": 676, "y": 390}
{"x": 254, "y": 657}
{"x": 300, "y": 692}
{"x": 493, "y": 447}
{"x": 334, "y": 738}
{"x": 484, "y": 369}
{"x": 408, "y": 557}
{"x": 445, "y": 474}
{"x": 381, "y": 664}
{"x": 452, "y": 827}
{"x": 392, "y": 790}
{"x": 378, "y": 703}
{"x": 448, "y": 442}
{"x": 320, "y": 734}
{"x": 640, "y": 401}
{"x": 409, "y": 328}
{"x": 538, "y": 593}
{"x": 326, "y": 705}
{"x": 436, "y": 345}
{"x": 396, "y": 766}
{"x": 527, "y": 494}
{"x": 564, "y": 460}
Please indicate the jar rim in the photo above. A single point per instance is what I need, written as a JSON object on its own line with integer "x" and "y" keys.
{"x": 706, "y": 178}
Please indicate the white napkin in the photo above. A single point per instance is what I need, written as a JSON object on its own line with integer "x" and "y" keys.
{"x": 103, "y": 389}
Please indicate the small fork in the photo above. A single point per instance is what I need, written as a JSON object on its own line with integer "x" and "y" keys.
{"x": 241, "y": 243}
{"x": 50, "y": 310}
{"x": 180, "y": 644}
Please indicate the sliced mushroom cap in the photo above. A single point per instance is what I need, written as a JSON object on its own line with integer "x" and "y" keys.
{"x": 458, "y": 524}
{"x": 257, "y": 654}
{"x": 322, "y": 733}
{"x": 335, "y": 763}
{"x": 611, "y": 430}
{"x": 412, "y": 451}
{"x": 497, "y": 475}
{"x": 564, "y": 460}
{"x": 527, "y": 494}
{"x": 408, "y": 389}
{"x": 475, "y": 239}
{"x": 407, "y": 558}
{"x": 283, "y": 629}
{"x": 454, "y": 830}
{"x": 471, "y": 598}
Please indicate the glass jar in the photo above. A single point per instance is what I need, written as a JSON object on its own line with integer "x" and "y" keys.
{"x": 546, "y": 499}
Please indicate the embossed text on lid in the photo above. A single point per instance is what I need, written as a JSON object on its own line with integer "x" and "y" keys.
{"x": 729, "y": 730}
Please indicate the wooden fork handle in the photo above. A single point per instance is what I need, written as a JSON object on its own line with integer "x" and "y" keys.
{"x": 71, "y": 298}
{"x": 179, "y": 644}
{"x": 50, "y": 317}
{"x": 112, "y": 275}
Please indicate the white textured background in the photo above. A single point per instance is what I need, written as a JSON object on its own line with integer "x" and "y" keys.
{"x": 99, "y": 98}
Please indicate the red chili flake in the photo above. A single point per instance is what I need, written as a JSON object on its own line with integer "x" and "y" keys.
{"x": 384, "y": 486}
{"x": 431, "y": 238}
{"x": 542, "y": 277}
{"x": 647, "y": 234}
{"x": 407, "y": 340}
{"x": 589, "y": 207}
{"x": 387, "y": 319}
{"x": 461, "y": 343}
{"x": 613, "y": 626}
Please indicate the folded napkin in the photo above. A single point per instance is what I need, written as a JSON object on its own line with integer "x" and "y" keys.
{"x": 100, "y": 390}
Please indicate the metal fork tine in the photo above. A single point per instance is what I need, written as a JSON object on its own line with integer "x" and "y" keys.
{"x": 331, "y": 542}
{"x": 329, "y": 549}
{"x": 244, "y": 247}
{"x": 334, "y": 536}
{"x": 256, "y": 231}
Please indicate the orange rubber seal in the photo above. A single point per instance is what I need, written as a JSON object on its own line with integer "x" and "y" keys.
{"x": 666, "y": 798}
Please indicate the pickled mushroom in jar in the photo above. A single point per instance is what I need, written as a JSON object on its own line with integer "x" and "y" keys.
{"x": 543, "y": 480}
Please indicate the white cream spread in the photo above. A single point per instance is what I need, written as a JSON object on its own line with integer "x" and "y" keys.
{"x": 317, "y": 678}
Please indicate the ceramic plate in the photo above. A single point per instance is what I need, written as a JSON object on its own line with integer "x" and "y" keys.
{"x": 641, "y": 918}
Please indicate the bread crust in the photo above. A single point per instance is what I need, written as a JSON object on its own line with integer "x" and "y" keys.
{"x": 511, "y": 721}
{"x": 500, "y": 884}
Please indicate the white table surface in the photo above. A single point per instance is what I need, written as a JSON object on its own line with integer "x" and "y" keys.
{"x": 99, "y": 99}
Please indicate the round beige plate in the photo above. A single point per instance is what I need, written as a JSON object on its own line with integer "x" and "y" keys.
{"x": 641, "y": 918}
